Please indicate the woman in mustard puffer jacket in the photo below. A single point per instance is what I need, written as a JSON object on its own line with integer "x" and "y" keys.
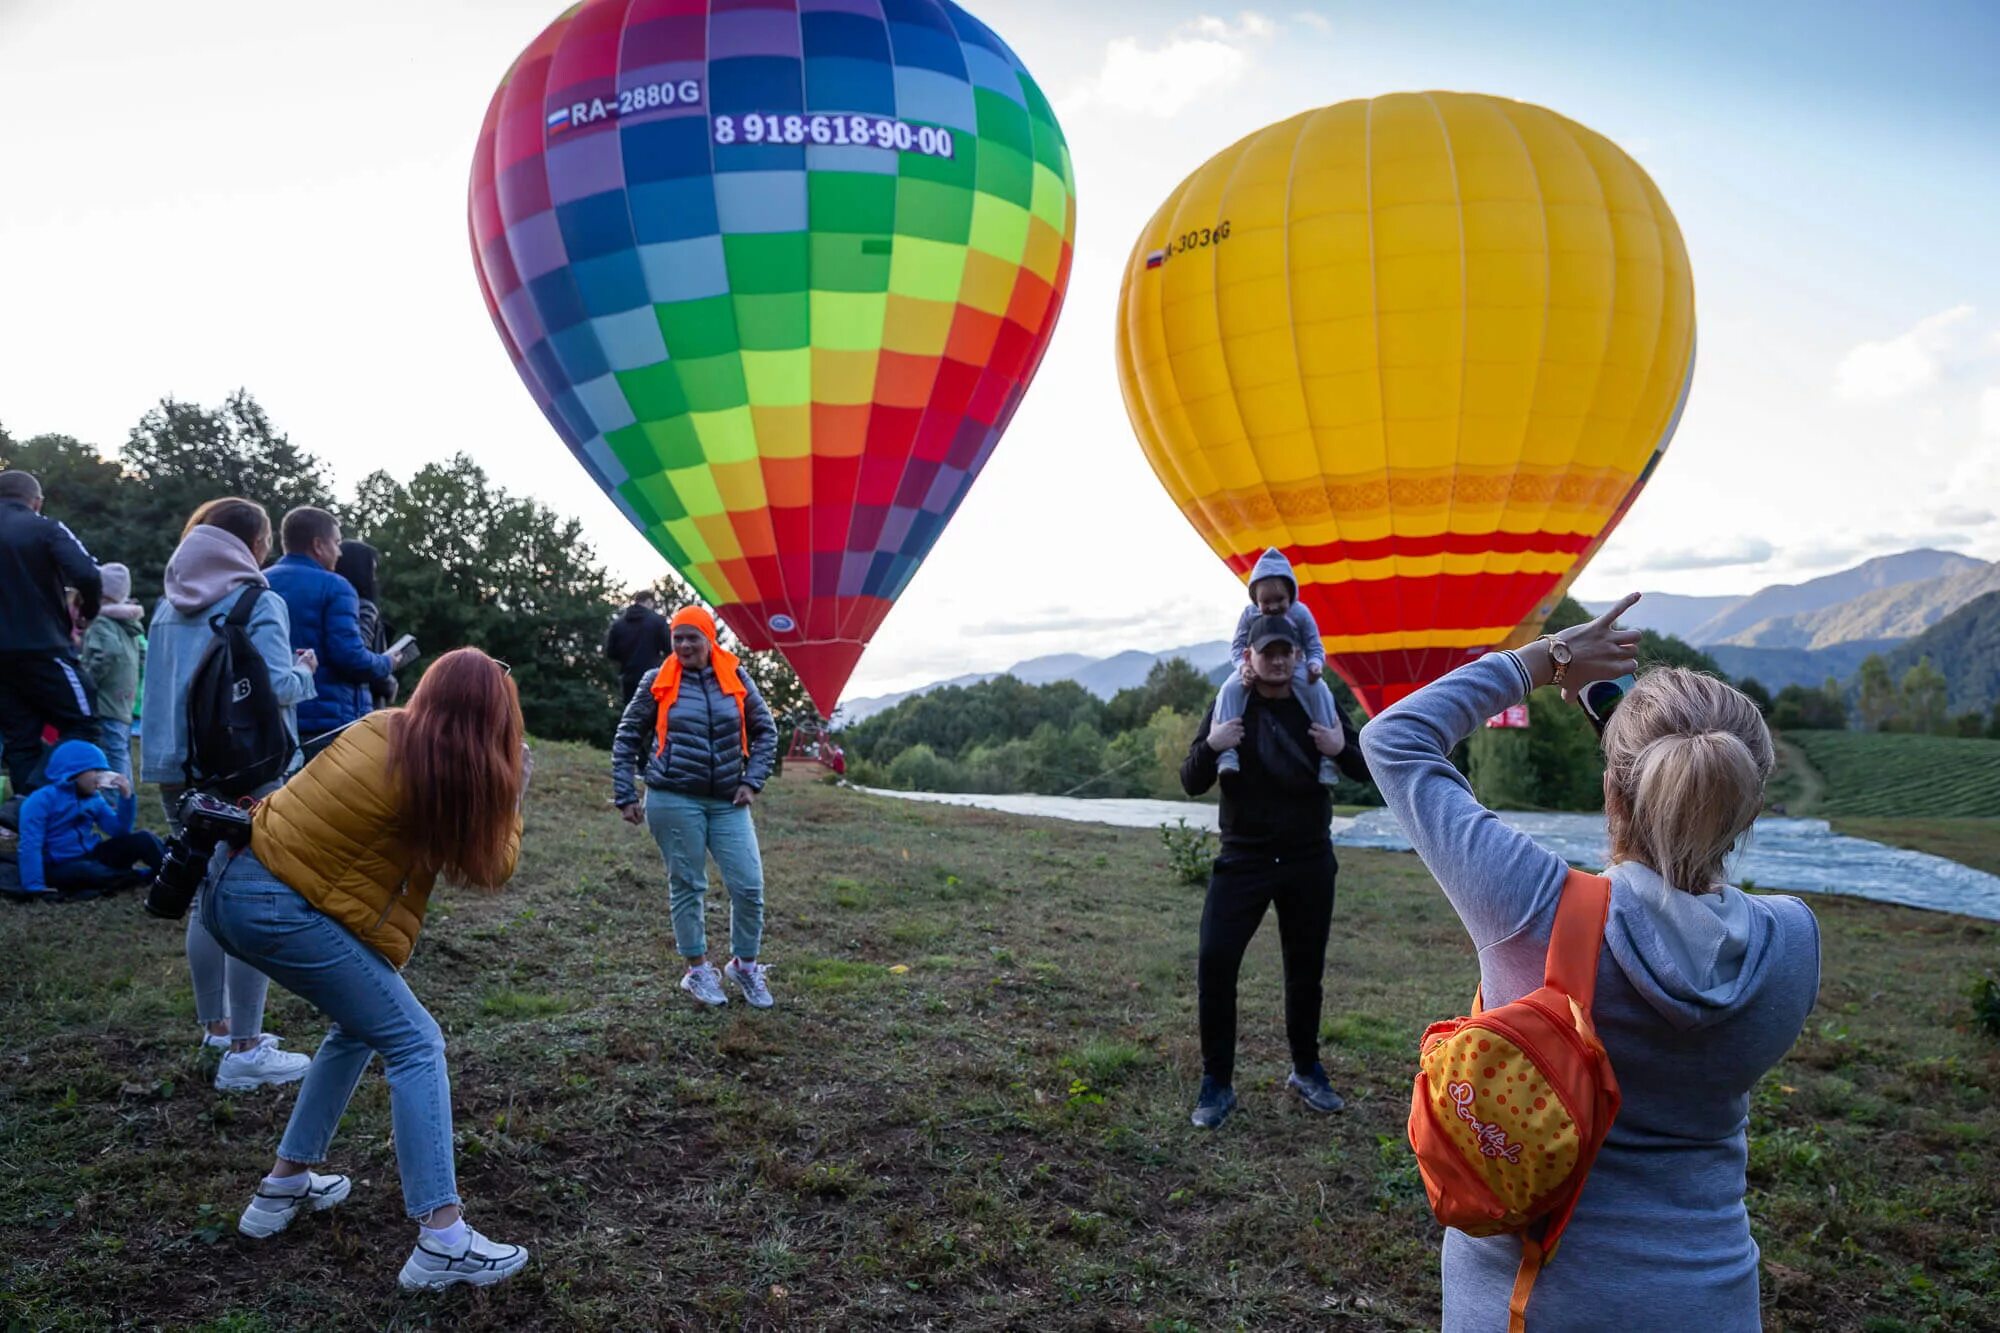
{"x": 327, "y": 901}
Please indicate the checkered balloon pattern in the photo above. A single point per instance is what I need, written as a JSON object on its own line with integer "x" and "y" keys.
{"x": 778, "y": 272}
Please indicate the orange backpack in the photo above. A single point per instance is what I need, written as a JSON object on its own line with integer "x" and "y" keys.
{"x": 1512, "y": 1104}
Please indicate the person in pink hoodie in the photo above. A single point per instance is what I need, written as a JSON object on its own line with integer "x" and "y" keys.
{"x": 219, "y": 560}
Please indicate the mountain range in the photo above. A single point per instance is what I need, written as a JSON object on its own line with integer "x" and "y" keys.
{"x": 1102, "y": 676}
{"x": 1902, "y": 605}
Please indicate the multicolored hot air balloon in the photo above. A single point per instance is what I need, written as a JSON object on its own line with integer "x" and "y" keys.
{"x": 1428, "y": 345}
{"x": 778, "y": 272}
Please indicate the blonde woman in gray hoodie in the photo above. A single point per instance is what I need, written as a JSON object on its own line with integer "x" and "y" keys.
{"x": 219, "y": 560}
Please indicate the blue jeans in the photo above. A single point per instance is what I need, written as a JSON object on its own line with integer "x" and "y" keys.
{"x": 117, "y": 743}
{"x": 111, "y": 864}
{"x": 260, "y": 919}
{"x": 689, "y": 830}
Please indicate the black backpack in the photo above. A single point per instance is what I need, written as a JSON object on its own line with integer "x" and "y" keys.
{"x": 237, "y": 740}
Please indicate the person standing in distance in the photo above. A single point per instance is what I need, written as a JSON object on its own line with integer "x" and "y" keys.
{"x": 1277, "y": 850}
{"x": 42, "y": 683}
{"x": 326, "y": 620}
{"x": 699, "y": 737}
{"x": 638, "y": 641}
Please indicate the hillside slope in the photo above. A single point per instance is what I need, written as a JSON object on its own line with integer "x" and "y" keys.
{"x": 1789, "y": 599}
{"x": 1965, "y": 646}
{"x": 1899, "y": 612}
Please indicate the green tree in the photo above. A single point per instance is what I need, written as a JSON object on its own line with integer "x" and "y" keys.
{"x": 1502, "y": 774}
{"x": 1799, "y": 709}
{"x": 1923, "y": 699}
{"x": 182, "y": 455}
{"x": 1757, "y": 694}
{"x": 1173, "y": 684}
{"x": 466, "y": 563}
{"x": 1968, "y": 726}
{"x": 919, "y": 768}
{"x": 1993, "y": 723}
{"x": 80, "y": 486}
{"x": 1878, "y": 694}
{"x": 1656, "y": 649}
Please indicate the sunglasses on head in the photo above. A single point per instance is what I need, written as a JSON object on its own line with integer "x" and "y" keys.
{"x": 1601, "y": 698}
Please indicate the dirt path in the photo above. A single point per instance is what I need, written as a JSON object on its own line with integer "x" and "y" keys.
{"x": 1811, "y": 786}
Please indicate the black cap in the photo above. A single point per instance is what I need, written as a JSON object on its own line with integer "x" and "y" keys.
{"x": 1266, "y": 630}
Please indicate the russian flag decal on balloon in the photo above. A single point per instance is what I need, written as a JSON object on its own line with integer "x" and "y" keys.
{"x": 778, "y": 272}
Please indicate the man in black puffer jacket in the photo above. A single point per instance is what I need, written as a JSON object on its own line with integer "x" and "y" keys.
{"x": 700, "y": 737}
{"x": 42, "y": 683}
{"x": 637, "y": 641}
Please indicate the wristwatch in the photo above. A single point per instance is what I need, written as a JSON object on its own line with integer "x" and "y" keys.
{"x": 1561, "y": 655}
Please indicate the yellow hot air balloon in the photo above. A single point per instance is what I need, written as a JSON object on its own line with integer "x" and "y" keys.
{"x": 1429, "y": 345}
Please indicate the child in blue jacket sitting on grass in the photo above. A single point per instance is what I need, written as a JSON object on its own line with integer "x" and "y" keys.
{"x": 73, "y": 838}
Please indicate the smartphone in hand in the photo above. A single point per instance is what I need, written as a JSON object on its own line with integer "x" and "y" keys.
{"x": 404, "y": 650}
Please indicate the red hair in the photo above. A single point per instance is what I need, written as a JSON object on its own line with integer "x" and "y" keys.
{"x": 456, "y": 750}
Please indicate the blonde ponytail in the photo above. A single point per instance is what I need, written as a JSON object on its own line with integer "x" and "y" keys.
{"x": 1686, "y": 759}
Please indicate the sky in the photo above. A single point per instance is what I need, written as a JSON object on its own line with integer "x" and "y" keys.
{"x": 224, "y": 193}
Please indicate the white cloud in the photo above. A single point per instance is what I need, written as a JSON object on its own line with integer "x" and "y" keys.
{"x": 1961, "y": 516}
{"x": 1317, "y": 22}
{"x": 1715, "y": 555}
{"x": 1989, "y": 413}
{"x": 1197, "y": 60}
{"x": 1897, "y": 367}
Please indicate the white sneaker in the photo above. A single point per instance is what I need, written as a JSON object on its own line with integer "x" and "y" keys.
{"x": 271, "y": 1211}
{"x": 221, "y": 1043}
{"x": 480, "y": 1264}
{"x": 705, "y": 984}
{"x": 263, "y": 1065}
{"x": 749, "y": 978}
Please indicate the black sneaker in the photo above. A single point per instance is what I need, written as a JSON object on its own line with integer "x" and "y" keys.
{"x": 1312, "y": 1088}
{"x": 1214, "y": 1106}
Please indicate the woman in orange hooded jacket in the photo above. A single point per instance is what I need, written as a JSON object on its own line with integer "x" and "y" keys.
{"x": 698, "y": 734}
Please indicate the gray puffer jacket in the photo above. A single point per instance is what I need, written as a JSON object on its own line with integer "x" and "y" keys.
{"x": 704, "y": 754}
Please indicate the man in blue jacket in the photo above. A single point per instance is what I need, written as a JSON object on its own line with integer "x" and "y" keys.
{"x": 325, "y": 615}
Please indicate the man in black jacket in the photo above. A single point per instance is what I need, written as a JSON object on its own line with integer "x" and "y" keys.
{"x": 41, "y": 681}
{"x": 638, "y": 642}
{"x": 1276, "y": 849}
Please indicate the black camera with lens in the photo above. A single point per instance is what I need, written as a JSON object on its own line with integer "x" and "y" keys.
{"x": 206, "y": 823}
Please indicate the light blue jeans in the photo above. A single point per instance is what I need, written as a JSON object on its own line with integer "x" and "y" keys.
{"x": 117, "y": 743}
{"x": 260, "y": 919}
{"x": 689, "y": 830}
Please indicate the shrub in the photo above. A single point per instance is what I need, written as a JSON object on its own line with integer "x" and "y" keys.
{"x": 1986, "y": 1004}
{"x": 1190, "y": 851}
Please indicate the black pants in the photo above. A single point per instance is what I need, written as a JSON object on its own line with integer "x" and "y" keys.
{"x": 40, "y": 690}
{"x": 1240, "y": 889}
{"x": 111, "y": 864}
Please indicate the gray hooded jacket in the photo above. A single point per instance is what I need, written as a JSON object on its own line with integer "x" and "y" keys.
{"x": 704, "y": 754}
{"x": 1698, "y": 994}
{"x": 1273, "y": 565}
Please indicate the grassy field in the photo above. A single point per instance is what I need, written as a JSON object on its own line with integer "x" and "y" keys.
{"x": 994, "y": 1138}
{"x": 1928, "y": 793}
{"x": 1885, "y": 774}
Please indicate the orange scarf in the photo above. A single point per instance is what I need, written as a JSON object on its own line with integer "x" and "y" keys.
{"x": 728, "y": 674}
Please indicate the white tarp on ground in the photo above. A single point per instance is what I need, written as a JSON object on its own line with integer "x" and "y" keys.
{"x": 1800, "y": 854}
